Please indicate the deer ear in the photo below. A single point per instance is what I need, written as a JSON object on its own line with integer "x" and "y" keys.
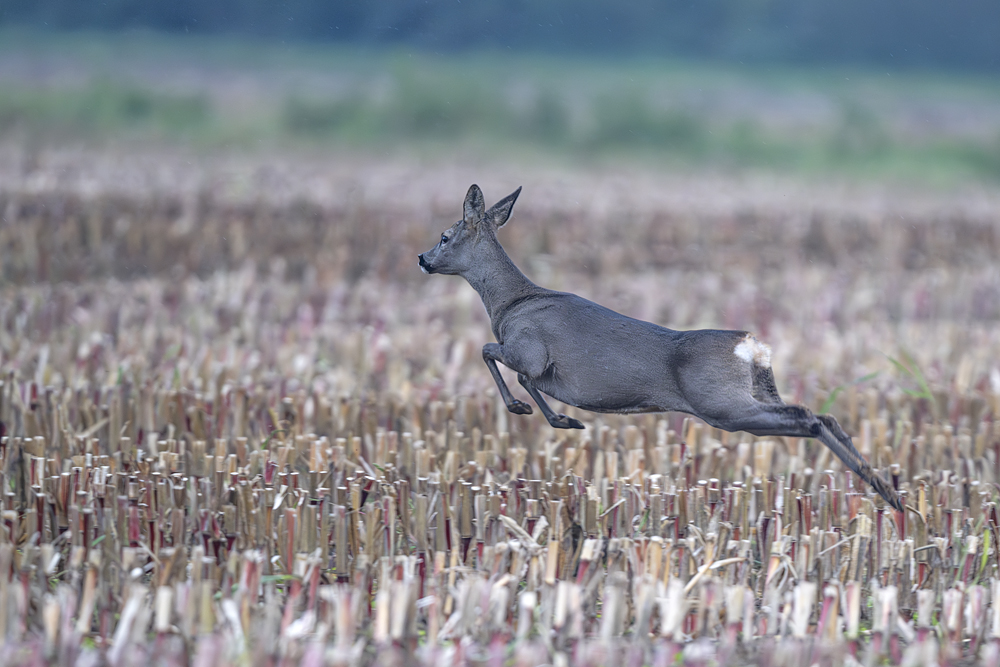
{"x": 499, "y": 213}
{"x": 475, "y": 205}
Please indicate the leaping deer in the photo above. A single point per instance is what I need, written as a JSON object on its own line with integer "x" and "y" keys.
{"x": 591, "y": 357}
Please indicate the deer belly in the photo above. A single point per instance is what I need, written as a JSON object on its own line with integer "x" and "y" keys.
{"x": 611, "y": 390}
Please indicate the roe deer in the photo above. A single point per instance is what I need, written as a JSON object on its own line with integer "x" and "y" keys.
{"x": 591, "y": 357}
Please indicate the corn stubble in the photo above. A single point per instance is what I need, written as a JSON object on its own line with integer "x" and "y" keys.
{"x": 212, "y": 457}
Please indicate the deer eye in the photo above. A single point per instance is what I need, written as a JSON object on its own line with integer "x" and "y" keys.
{"x": 444, "y": 239}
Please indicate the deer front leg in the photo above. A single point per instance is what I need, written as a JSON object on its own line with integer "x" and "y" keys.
{"x": 492, "y": 353}
{"x": 555, "y": 421}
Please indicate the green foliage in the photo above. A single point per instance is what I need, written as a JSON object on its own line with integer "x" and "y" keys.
{"x": 907, "y": 366}
{"x": 102, "y": 106}
{"x": 546, "y": 120}
{"x": 319, "y": 118}
{"x": 828, "y": 403}
{"x": 433, "y": 106}
{"x": 858, "y": 134}
{"x": 629, "y": 120}
{"x": 444, "y": 106}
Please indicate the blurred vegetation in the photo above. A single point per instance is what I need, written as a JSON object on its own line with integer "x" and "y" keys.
{"x": 573, "y": 108}
{"x": 103, "y": 106}
{"x": 892, "y": 33}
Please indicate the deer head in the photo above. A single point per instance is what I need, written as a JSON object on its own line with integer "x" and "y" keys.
{"x": 462, "y": 243}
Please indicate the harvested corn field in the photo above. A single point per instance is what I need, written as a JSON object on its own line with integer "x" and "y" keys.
{"x": 239, "y": 427}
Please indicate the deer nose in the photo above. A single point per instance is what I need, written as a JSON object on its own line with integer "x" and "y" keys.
{"x": 424, "y": 266}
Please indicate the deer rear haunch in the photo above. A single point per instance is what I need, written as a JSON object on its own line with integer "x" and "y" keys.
{"x": 595, "y": 359}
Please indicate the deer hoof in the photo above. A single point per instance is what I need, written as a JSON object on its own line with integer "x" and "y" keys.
{"x": 562, "y": 421}
{"x": 519, "y": 408}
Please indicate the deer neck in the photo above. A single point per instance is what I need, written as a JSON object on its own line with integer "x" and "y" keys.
{"x": 498, "y": 280}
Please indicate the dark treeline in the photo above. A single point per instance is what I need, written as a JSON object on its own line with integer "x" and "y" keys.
{"x": 961, "y": 34}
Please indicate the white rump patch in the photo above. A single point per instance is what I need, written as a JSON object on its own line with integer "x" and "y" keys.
{"x": 752, "y": 350}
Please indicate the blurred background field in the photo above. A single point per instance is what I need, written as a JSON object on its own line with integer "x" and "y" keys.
{"x": 211, "y": 310}
{"x": 239, "y": 94}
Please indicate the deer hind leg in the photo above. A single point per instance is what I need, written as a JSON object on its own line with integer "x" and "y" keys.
{"x": 883, "y": 488}
{"x": 762, "y": 385}
{"x": 555, "y": 420}
{"x": 492, "y": 353}
{"x": 796, "y": 421}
